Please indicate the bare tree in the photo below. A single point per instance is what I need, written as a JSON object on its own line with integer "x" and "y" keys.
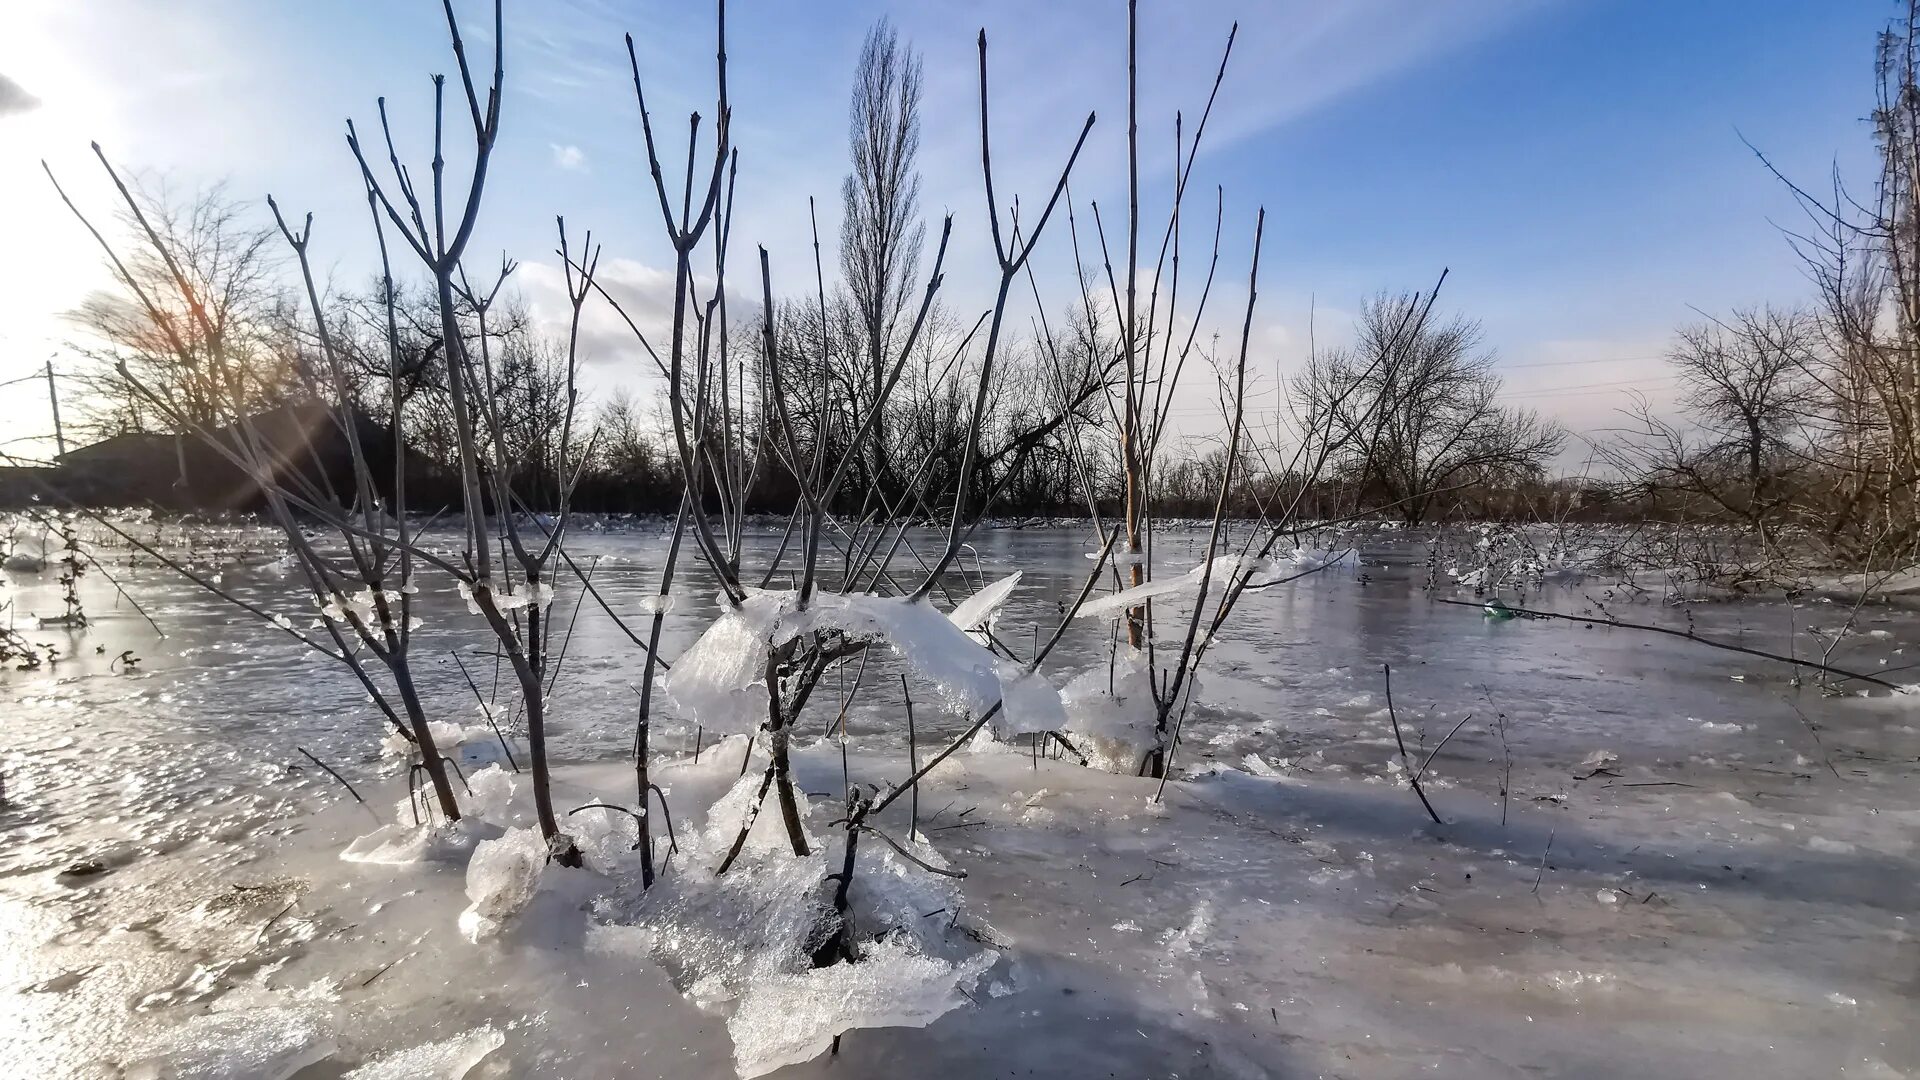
{"x": 189, "y": 351}
{"x": 1863, "y": 254}
{"x": 1751, "y": 401}
{"x": 880, "y": 230}
{"x": 1421, "y": 410}
{"x": 506, "y": 576}
{"x": 365, "y": 592}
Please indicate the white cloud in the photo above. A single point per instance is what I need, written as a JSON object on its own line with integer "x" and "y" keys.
{"x": 569, "y": 157}
{"x": 14, "y": 97}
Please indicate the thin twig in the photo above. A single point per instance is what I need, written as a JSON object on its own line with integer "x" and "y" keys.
{"x": 1685, "y": 635}
{"x": 1406, "y": 762}
{"x": 337, "y": 776}
{"x": 1422, "y": 771}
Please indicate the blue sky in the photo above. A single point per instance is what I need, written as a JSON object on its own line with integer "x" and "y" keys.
{"x": 1577, "y": 163}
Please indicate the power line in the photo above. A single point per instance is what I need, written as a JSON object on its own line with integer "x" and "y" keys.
{"x": 39, "y": 376}
{"x": 1559, "y": 391}
{"x": 1576, "y": 363}
{"x": 1578, "y": 390}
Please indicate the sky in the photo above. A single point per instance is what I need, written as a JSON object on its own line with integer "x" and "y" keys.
{"x": 1578, "y": 166}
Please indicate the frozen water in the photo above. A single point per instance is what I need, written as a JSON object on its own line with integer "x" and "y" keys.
{"x": 1029, "y": 702}
{"x": 246, "y": 1044}
{"x": 1759, "y": 925}
{"x": 448, "y": 1059}
{"x": 1111, "y": 712}
{"x": 742, "y": 943}
{"x": 1116, "y": 602}
{"x": 1313, "y": 558}
{"x": 392, "y": 845}
{"x": 447, "y": 738}
{"x": 721, "y": 682}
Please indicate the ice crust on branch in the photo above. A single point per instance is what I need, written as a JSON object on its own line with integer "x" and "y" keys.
{"x": 1223, "y": 567}
{"x": 720, "y": 682}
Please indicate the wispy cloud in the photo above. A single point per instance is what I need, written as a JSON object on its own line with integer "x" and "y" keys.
{"x": 569, "y": 157}
{"x": 14, "y": 98}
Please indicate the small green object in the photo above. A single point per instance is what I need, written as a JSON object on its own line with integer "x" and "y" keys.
{"x": 1496, "y": 609}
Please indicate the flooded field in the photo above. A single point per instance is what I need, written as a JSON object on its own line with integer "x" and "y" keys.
{"x": 1657, "y": 858}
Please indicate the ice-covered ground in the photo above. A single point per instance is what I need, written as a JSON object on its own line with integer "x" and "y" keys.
{"x": 1723, "y": 889}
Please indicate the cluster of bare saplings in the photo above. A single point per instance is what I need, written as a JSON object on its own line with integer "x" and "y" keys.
{"x": 749, "y": 397}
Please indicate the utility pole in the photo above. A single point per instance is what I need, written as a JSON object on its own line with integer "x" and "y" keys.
{"x": 53, "y": 396}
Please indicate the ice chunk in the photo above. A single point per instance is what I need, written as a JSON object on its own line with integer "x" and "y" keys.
{"x": 967, "y": 676}
{"x": 720, "y": 682}
{"x": 1259, "y": 766}
{"x": 246, "y": 1044}
{"x": 979, "y": 609}
{"x": 22, "y": 562}
{"x": 1223, "y": 567}
{"x": 963, "y": 671}
{"x": 1029, "y": 703}
{"x": 391, "y": 845}
{"x": 606, "y": 837}
{"x": 502, "y": 878}
{"x": 446, "y": 737}
{"x": 1111, "y": 712}
{"x": 743, "y": 942}
{"x": 1315, "y": 558}
{"x": 491, "y": 794}
{"x": 795, "y": 1015}
{"x": 448, "y": 1059}
{"x": 1599, "y": 762}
